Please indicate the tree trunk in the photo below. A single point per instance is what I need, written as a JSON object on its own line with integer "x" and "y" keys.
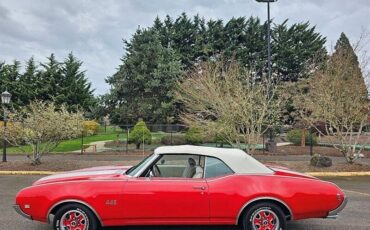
{"x": 347, "y": 156}
{"x": 303, "y": 138}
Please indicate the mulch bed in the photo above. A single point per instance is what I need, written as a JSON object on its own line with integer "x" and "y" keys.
{"x": 303, "y": 166}
{"x": 298, "y": 150}
{"x": 59, "y": 166}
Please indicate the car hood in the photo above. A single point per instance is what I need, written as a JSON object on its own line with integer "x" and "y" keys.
{"x": 95, "y": 173}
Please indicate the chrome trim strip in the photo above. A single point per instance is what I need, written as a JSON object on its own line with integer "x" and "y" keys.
{"x": 264, "y": 198}
{"x": 146, "y": 165}
{"x": 75, "y": 201}
{"x": 78, "y": 181}
{"x": 18, "y": 209}
{"x": 333, "y": 214}
{"x": 205, "y": 167}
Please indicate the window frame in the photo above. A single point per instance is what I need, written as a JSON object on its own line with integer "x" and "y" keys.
{"x": 144, "y": 173}
{"x": 219, "y": 176}
{"x": 144, "y": 166}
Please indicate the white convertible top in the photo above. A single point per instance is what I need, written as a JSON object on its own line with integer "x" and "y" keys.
{"x": 236, "y": 159}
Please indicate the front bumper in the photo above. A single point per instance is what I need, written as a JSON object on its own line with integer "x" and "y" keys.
{"x": 334, "y": 213}
{"x": 20, "y": 212}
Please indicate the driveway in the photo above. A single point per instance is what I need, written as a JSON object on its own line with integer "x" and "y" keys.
{"x": 354, "y": 216}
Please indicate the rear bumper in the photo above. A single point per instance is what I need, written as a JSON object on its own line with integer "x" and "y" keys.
{"x": 20, "y": 212}
{"x": 334, "y": 213}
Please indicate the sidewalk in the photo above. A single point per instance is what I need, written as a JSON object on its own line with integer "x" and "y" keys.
{"x": 99, "y": 147}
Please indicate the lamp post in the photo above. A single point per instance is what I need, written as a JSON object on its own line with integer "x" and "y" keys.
{"x": 268, "y": 37}
{"x": 5, "y": 99}
{"x": 271, "y": 145}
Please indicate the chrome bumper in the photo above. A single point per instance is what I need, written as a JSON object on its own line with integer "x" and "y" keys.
{"x": 334, "y": 213}
{"x": 20, "y": 212}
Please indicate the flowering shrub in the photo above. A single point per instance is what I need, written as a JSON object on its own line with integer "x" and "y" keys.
{"x": 43, "y": 126}
{"x": 91, "y": 127}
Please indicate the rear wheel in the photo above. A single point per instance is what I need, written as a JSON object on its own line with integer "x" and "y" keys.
{"x": 264, "y": 216}
{"x": 75, "y": 217}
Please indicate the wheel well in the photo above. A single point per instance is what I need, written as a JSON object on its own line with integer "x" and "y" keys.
{"x": 283, "y": 207}
{"x": 60, "y": 205}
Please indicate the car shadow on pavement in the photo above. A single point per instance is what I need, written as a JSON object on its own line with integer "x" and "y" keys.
{"x": 175, "y": 228}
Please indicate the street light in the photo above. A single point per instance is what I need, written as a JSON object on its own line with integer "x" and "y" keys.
{"x": 5, "y": 99}
{"x": 268, "y": 36}
{"x": 271, "y": 145}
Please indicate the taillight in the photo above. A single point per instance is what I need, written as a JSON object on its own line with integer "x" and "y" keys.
{"x": 339, "y": 197}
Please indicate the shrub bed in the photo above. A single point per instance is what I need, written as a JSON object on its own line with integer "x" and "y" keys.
{"x": 194, "y": 135}
{"x": 176, "y": 139}
{"x": 295, "y": 137}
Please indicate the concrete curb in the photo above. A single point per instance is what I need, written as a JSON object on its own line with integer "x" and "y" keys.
{"x": 318, "y": 174}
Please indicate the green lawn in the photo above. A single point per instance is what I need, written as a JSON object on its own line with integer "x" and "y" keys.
{"x": 75, "y": 144}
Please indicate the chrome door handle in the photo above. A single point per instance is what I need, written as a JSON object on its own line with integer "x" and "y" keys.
{"x": 199, "y": 187}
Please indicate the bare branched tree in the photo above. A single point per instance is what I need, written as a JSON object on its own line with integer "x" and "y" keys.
{"x": 361, "y": 47}
{"x": 336, "y": 96}
{"x": 225, "y": 100}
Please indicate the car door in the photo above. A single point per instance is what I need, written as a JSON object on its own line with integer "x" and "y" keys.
{"x": 169, "y": 199}
{"x": 223, "y": 191}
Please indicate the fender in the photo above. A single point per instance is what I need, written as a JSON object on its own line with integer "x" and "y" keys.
{"x": 74, "y": 201}
{"x": 263, "y": 198}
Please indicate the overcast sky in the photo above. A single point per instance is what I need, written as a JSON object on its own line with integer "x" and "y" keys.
{"x": 94, "y": 30}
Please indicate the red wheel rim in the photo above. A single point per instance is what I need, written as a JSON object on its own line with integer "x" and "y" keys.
{"x": 265, "y": 219}
{"x": 74, "y": 220}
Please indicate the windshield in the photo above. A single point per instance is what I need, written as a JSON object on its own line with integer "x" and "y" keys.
{"x": 132, "y": 171}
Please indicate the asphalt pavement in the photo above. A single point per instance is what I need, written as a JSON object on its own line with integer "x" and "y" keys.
{"x": 355, "y": 216}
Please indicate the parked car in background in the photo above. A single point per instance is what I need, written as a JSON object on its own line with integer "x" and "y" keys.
{"x": 181, "y": 185}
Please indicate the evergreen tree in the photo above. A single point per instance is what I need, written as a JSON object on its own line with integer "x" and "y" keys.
{"x": 28, "y": 82}
{"x": 235, "y": 40}
{"x": 48, "y": 79}
{"x": 64, "y": 83}
{"x": 256, "y": 55}
{"x": 344, "y": 50}
{"x": 74, "y": 88}
{"x": 183, "y": 40}
{"x": 9, "y": 79}
{"x": 144, "y": 84}
{"x": 214, "y": 39}
{"x": 296, "y": 50}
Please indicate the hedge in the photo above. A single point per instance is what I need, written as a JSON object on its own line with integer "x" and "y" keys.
{"x": 295, "y": 137}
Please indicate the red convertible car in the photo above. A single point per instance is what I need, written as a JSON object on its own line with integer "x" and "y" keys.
{"x": 181, "y": 185}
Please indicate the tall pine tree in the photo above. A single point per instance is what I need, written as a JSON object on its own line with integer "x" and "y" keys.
{"x": 143, "y": 87}
{"x": 344, "y": 50}
{"x": 48, "y": 79}
{"x": 74, "y": 88}
{"x": 64, "y": 83}
{"x": 28, "y": 82}
{"x": 9, "y": 80}
{"x": 297, "y": 50}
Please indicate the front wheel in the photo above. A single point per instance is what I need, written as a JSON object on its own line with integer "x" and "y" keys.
{"x": 74, "y": 217}
{"x": 264, "y": 216}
